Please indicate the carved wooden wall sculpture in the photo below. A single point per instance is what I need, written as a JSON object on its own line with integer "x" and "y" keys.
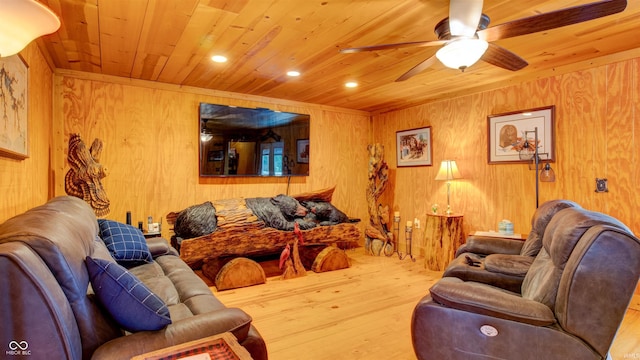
{"x": 83, "y": 179}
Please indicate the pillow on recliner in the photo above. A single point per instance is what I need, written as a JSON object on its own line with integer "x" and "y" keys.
{"x": 126, "y": 243}
{"x": 129, "y": 302}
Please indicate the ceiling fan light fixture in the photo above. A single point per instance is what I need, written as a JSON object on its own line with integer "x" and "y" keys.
{"x": 462, "y": 53}
{"x": 23, "y": 21}
{"x": 204, "y": 137}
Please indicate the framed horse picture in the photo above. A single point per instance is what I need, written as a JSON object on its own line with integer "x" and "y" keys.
{"x": 413, "y": 147}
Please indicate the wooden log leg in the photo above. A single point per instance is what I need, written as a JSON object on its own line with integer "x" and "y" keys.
{"x": 211, "y": 267}
{"x": 329, "y": 259}
{"x": 239, "y": 272}
{"x": 308, "y": 254}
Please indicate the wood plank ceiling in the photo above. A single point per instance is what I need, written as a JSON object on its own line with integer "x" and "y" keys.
{"x": 172, "y": 41}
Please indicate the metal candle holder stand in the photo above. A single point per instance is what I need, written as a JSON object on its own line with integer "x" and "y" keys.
{"x": 408, "y": 230}
{"x": 396, "y": 235}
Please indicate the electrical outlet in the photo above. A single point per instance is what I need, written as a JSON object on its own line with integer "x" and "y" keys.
{"x": 601, "y": 185}
{"x": 416, "y": 223}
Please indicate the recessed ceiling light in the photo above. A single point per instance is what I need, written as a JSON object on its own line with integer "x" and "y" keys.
{"x": 219, "y": 58}
{"x": 293, "y": 73}
{"x": 351, "y": 84}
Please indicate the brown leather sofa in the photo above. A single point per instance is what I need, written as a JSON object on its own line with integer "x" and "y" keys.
{"x": 573, "y": 299}
{"x": 48, "y": 310}
{"x": 501, "y": 261}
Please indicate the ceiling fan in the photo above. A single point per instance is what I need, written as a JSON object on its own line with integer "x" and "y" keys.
{"x": 465, "y": 37}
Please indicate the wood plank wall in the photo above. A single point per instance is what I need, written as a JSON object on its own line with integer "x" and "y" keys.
{"x": 597, "y": 129}
{"x": 26, "y": 183}
{"x": 151, "y": 135}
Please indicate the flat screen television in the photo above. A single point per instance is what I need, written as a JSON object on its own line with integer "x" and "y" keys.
{"x": 236, "y": 141}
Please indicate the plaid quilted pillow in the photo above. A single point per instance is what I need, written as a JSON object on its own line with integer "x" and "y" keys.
{"x": 126, "y": 243}
{"x": 130, "y": 302}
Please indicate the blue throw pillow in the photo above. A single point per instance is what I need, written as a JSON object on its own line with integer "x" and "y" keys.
{"x": 131, "y": 304}
{"x": 125, "y": 243}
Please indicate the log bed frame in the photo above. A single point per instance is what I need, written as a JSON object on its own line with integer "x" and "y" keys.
{"x": 241, "y": 235}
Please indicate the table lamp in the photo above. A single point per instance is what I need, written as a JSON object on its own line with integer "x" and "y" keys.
{"x": 448, "y": 171}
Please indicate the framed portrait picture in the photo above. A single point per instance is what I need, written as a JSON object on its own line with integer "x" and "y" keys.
{"x": 13, "y": 110}
{"x": 302, "y": 151}
{"x": 509, "y": 132}
{"x": 413, "y": 147}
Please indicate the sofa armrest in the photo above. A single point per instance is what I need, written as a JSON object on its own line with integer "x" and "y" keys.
{"x": 491, "y": 301}
{"x": 192, "y": 328}
{"x": 486, "y": 245}
{"x": 159, "y": 246}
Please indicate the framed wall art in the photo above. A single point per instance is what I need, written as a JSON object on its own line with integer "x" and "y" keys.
{"x": 508, "y": 132}
{"x": 302, "y": 151}
{"x": 13, "y": 110}
{"x": 413, "y": 147}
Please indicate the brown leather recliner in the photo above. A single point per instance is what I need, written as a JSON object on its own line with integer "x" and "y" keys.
{"x": 573, "y": 299}
{"x": 48, "y": 310}
{"x": 503, "y": 262}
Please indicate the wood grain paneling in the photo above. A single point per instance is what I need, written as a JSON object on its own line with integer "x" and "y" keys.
{"x": 151, "y": 147}
{"x": 25, "y": 183}
{"x": 150, "y": 134}
{"x": 596, "y": 129}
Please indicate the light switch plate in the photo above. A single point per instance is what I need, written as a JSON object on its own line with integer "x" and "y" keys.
{"x": 601, "y": 185}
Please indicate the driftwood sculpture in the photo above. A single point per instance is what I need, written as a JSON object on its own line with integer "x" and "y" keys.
{"x": 83, "y": 179}
{"x": 377, "y": 235}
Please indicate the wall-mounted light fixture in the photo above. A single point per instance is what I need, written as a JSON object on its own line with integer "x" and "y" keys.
{"x": 204, "y": 137}
{"x": 21, "y": 21}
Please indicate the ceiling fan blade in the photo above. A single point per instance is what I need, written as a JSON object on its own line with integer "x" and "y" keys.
{"x": 418, "y": 68}
{"x": 393, "y": 46}
{"x": 498, "y": 56}
{"x": 552, "y": 20}
{"x": 464, "y": 16}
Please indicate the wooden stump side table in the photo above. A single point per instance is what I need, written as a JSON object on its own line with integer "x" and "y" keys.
{"x": 443, "y": 236}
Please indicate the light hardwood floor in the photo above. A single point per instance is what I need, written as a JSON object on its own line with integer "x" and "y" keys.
{"x": 363, "y": 312}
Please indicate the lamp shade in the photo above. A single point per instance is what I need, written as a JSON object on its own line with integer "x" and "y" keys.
{"x": 462, "y": 53}
{"x": 21, "y": 21}
{"x": 547, "y": 174}
{"x": 448, "y": 171}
